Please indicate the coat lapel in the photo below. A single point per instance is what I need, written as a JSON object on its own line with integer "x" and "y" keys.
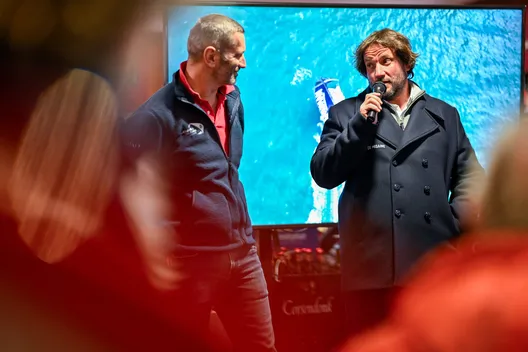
{"x": 422, "y": 124}
{"x": 232, "y": 104}
{"x": 388, "y": 129}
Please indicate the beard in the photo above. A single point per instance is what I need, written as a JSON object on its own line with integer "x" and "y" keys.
{"x": 232, "y": 78}
{"x": 397, "y": 84}
{"x": 226, "y": 74}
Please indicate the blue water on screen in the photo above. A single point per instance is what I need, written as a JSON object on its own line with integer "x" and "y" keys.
{"x": 470, "y": 58}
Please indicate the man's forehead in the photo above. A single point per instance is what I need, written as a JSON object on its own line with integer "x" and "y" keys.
{"x": 238, "y": 44}
{"x": 239, "y": 38}
{"x": 376, "y": 50}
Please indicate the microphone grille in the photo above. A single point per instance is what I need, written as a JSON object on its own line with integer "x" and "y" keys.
{"x": 379, "y": 87}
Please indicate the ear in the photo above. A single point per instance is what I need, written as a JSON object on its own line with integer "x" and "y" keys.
{"x": 210, "y": 56}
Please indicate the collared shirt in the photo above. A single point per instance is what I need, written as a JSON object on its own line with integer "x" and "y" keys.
{"x": 402, "y": 116}
{"x": 219, "y": 116}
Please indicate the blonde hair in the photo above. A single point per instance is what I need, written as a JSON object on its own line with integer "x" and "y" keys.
{"x": 504, "y": 197}
{"x": 66, "y": 166}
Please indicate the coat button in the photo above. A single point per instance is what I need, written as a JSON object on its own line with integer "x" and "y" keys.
{"x": 397, "y": 187}
{"x": 427, "y": 216}
{"x": 395, "y": 163}
{"x": 427, "y": 190}
{"x": 425, "y": 163}
{"x": 397, "y": 213}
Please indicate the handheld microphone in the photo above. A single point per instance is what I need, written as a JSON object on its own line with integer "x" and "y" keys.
{"x": 378, "y": 87}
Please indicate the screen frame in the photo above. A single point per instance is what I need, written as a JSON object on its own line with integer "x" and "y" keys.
{"x": 344, "y": 4}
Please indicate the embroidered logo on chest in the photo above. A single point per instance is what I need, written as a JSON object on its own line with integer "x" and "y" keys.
{"x": 193, "y": 129}
{"x": 376, "y": 146}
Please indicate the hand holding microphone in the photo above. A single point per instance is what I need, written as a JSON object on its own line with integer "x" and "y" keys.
{"x": 372, "y": 104}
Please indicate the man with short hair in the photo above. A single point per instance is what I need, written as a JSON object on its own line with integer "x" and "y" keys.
{"x": 190, "y": 131}
{"x": 399, "y": 167}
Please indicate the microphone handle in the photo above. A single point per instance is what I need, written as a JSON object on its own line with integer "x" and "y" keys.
{"x": 372, "y": 115}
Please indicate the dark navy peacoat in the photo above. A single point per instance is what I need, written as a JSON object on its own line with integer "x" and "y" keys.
{"x": 405, "y": 190}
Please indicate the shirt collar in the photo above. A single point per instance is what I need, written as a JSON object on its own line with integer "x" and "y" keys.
{"x": 416, "y": 91}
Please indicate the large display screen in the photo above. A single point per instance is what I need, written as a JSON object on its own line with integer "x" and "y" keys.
{"x": 300, "y": 60}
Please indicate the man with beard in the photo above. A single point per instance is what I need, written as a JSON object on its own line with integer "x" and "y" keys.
{"x": 406, "y": 172}
{"x": 190, "y": 132}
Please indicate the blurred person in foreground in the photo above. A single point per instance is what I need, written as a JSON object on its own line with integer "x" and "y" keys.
{"x": 472, "y": 298}
{"x": 406, "y": 175}
{"x": 192, "y": 129}
{"x": 71, "y": 273}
